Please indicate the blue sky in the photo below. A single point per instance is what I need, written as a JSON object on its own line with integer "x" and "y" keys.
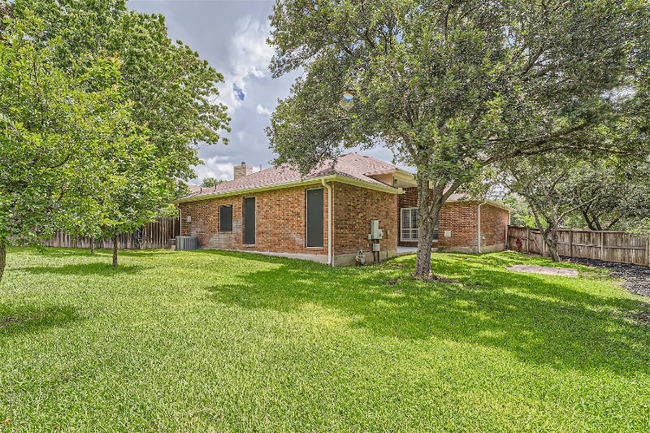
{"x": 231, "y": 36}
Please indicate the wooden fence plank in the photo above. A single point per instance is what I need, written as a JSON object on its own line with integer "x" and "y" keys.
{"x": 155, "y": 235}
{"x": 603, "y": 245}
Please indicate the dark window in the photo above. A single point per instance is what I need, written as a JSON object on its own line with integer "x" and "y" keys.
{"x": 225, "y": 218}
{"x": 249, "y": 221}
{"x": 315, "y": 217}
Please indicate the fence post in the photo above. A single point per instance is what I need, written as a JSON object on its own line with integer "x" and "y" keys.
{"x": 528, "y": 240}
{"x": 602, "y": 245}
{"x": 571, "y": 243}
{"x": 647, "y": 251}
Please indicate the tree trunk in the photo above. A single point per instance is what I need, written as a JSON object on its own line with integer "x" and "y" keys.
{"x": 428, "y": 210}
{"x": 92, "y": 245}
{"x": 3, "y": 257}
{"x": 549, "y": 235}
{"x": 589, "y": 222}
{"x": 115, "y": 251}
{"x": 425, "y": 242}
{"x": 551, "y": 239}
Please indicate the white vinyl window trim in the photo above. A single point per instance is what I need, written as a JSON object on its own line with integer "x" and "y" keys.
{"x": 409, "y": 225}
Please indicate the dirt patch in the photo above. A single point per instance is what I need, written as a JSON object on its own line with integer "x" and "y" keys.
{"x": 636, "y": 278}
{"x": 392, "y": 282}
{"x": 545, "y": 270}
{"x": 8, "y": 321}
{"x": 483, "y": 262}
{"x": 643, "y": 318}
{"x": 438, "y": 279}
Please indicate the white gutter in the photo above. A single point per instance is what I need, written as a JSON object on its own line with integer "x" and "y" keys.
{"x": 479, "y": 226}
{"x": 329, "y": 222}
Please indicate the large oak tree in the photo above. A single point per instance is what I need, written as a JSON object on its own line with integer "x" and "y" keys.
{"x": 450, "y": 86}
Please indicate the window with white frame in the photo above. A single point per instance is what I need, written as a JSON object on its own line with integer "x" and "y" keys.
{"x": 410, "y": 231}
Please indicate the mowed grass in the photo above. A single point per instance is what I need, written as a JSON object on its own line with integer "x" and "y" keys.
{"x": 218, "y": 341}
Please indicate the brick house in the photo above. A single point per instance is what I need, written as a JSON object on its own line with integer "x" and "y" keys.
{"x": 326, "y": 215}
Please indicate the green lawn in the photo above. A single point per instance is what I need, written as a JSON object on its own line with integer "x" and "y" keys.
{"x": 216, "y": 341}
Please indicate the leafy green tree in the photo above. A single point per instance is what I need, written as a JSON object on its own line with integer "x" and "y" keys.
{"x": 134, "y": 194}
{"x": 210, "y": 182}
{"x": 544, "y": 181}
{"x": 627, "y": 198}
{"x": 173, "y": 90}
{"x": 171, "y": 210}
{"x": 6, "y": 11}
{"x": 135, "y": 189}
{"x": 521, "y": 216}
{"x": 449, "y": 86}
{"x": 173, "y": 94}
{"x": 55, "y": 130}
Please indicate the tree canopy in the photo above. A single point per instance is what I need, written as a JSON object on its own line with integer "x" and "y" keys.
{"x": 56, "y": 127}
{"x": 449, "y": 86}
{"x": 174, "y": 92}
{"x": 101, "y": 114}
{"x": 210, "y": 181}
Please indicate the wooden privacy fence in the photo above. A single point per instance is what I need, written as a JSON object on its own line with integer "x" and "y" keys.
{"x": 587, "y": 244}
{"x": 152, "y": 235}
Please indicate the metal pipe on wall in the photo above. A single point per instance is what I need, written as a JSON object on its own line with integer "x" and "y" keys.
{"x": 329, "y": 222}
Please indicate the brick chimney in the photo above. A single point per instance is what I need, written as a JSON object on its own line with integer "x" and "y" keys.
{"x": 243, "y": 170}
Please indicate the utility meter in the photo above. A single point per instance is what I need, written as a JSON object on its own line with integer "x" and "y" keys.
{"x": 375, "y": 231}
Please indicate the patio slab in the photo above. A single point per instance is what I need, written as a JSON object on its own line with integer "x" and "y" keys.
{"x": 545, "y": 270}
{"x": 406, "y": 250}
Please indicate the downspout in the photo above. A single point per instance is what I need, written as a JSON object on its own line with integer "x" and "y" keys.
{"x": 329, "y": 222}
{"x": 479, "y": 227}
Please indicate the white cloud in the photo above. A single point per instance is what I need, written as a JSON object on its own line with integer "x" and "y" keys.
{"x": 251, "y": 53}
{"x": 250, "y": 56}
{"x": 262, "y": 110}
{"x": 215, "y": 167}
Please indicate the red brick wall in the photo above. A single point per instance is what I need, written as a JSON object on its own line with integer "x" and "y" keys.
{"x": 280, "y": 222}
{"x": 280, "y": 219}
{"x": 494, "y": 225}
{"x": 461, "y": 219}
{"x": 354, "y": 207}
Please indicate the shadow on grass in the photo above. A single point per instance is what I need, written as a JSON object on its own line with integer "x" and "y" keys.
{"x": 28, "y": 318}
{"x": 98, "y": 269}
{"x": 546, "y": 321}
{"x": 85, "y": 252}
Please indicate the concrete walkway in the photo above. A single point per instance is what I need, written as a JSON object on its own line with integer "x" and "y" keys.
{"x": 406, "y": 250}
{"x": 545, "y": 270}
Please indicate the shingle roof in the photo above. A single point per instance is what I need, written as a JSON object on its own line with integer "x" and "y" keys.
{"x": 349, "y": 165}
